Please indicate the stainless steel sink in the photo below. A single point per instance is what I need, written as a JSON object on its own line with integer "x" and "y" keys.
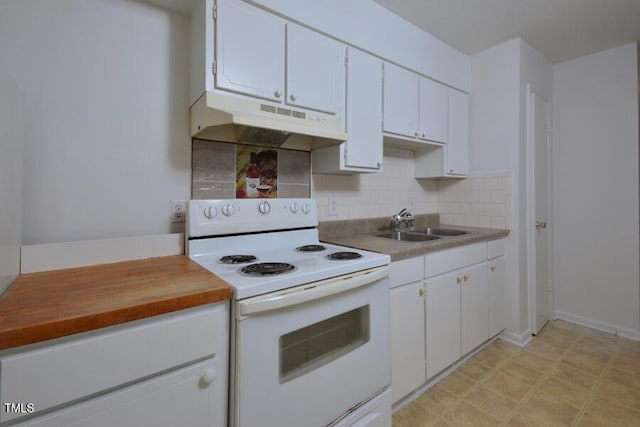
{"x": 436, "y": 231}
{"x": 408, "y": 236}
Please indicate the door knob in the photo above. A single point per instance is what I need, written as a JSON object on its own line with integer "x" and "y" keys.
{"x": 541, "y": 225}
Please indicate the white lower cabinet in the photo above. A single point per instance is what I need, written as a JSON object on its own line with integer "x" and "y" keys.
{"x": 443, "y": 322}
{"x": 407, "y": 339}
{"x": 163, "y": 371}
{"x": 474, "y": 308}
{"x": 496, "y": 277}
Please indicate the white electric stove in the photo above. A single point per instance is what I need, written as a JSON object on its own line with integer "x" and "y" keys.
{"x": 310, "y": 327}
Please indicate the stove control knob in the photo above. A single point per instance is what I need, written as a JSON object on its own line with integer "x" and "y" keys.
{"x": 228, "y": 210}
{"x": 294, "y": 207}
{"x": 210, "y": 212}
{"x": 306, "y": 208}
{"x": 264, "y": 208}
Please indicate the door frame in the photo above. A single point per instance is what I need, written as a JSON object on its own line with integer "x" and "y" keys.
{"x": 530, "y": 231}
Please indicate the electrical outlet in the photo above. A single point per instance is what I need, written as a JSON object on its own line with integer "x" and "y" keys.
{"x": 333, "y": 206}
{"x": 178, "y": 210}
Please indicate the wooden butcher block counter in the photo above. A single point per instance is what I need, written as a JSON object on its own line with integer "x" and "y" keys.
{"x": 54, "y": 304}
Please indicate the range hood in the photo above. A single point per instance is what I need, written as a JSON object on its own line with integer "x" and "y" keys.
{"x": 220, "y": 117}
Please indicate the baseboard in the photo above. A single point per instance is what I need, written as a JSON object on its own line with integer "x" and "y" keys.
{"x": 520, "y": 340}
{"x": 55, "y": 256}
{"x": 601, "y": 326}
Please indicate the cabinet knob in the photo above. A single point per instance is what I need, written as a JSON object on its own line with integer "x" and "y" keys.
{"x": 416, "y": 133}
{"x": 423, "y": 134}
{"x": 293, "y": 97}
{"x": 208, "y": 377}
{"x": 379, "y": 164}
{"x": 467, "y": 277}
{"x": 450, "y": 170}
{"x": 277, "y": 94}
{"x": 541, "y": 225}
{"x": 493, "y": 268}
{"x": 421, "y": 292}
{"x": 459, "y": 279}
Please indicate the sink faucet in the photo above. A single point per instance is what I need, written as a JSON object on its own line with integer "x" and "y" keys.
{"x": 403, "y": 216}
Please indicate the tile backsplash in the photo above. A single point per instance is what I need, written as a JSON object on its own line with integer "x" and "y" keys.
{"x": 481, "y": 200}
{"x": 214, "y": 175}
{"x": 378, "y": 194}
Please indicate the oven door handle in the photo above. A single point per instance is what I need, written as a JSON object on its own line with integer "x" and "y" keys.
{"x": 310, "y": 292}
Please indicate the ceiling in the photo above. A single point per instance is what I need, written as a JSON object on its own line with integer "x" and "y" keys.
{"x": 558, "y": 29}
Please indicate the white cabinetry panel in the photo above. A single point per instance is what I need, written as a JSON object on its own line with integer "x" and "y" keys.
{"x": 497, "y": 301}
{"x": 407, "y": 339}
{"x": 457, "y": 158}
{"x": 401, "y": 98}
{"x": 433, "y": 111}
{"x": 443, "y": 322}
{"x": 474, "y": 312}
{"x": 315, "y": 70}
{"x": 250, "y": 51}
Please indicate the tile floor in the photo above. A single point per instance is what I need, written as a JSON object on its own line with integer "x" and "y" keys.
{"x": 568, "y": 375}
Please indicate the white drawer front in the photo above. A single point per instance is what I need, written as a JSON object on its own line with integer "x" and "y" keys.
{"x": 452, "y": 259}
{"x": 406, "y": 271}
{"x": 496, "y": 248}
{"x": 67, "y": 371}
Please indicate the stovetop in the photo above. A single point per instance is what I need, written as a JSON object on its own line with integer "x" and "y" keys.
{"x": 254, "y": 234}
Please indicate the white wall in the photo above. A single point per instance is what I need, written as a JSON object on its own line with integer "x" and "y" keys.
{"x": 595, "y": 152}
{"x": 11, "y": 147}
{"x": 105, "y": 86}
{"x": 373, "y": 28}
{"x": 499, "y": 78}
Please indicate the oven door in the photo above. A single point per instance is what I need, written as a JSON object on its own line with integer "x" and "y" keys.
{"x": 308, "y": 355}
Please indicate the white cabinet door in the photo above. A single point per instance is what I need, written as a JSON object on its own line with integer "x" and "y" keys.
{"x": 315, "y": 71}
{"x": 400, "y": 99}
{"x": 457, "y": 154}
{"x": 250, "y": 50}
{"x": 181, "y": 398}
{"x": 364, "y": 111}
{"x": 474, "y": 308}
{"x": 496, "y": 278}
{"x": 407, "y": 339}
{"x": 443, "y": 321}
{"x": 434, "y": 111}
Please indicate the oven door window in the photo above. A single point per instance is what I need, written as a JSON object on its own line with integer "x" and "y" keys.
{"x": 316, "y": 345}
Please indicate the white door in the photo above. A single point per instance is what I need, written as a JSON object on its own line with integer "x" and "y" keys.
{"x": 458, "y": 139}
{"x": 434, "y": 111}
{"x": 364, "y": 111}
{"x": 401, "y": 97}
{"x": 539, "y": 128}
{"x": 315, "y": 71}
{"x": 250, "y": 46}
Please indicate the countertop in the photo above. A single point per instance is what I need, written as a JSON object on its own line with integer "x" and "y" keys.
{"x": 54, "y": 304}
{"x": 402, "y": 249}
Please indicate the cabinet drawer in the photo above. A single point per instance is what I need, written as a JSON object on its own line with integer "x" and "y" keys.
{"x": 96, "y": 362}
{"x": 406, "y": 271}
{"x": 496, "y": 248}
{"x": 454, "y": 258}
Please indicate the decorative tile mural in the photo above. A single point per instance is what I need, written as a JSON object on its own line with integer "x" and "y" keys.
{"x": 222, "y": 170}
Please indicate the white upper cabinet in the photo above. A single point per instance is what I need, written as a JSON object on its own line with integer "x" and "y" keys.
{"x": 250, "y": 54}
{"x": 363, "y": 151}
{"x": 401, "y": 97}
{"x": 262, "y": 55}
{"x": 433, "y": 111}
{"x": 458, "y": 145}
{"x": 315, "y": 70}
{"x": 414, "y": 106}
